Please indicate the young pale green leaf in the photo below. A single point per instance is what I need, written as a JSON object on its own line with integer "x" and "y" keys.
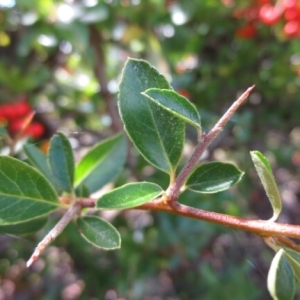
{"x": 265, "y": 174}
{"x": 24, "y": 228}
{"x": 101, "y": 164}
{"x": 61, "y": 161}
{"x": 25, "y": 193}
{"x": 294, "y": 259}
{"x": 39, "y": 160}
{"x": 129, "y": 195}
{"x": 156, "y": 133}
{"x": 213, "y": 177}
{"x": 176, "y": 104}
{"x": 99, "y": 232}
{"x": 281, "y": 281}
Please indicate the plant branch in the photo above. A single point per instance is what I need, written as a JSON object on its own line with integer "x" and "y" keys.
{"x": 258, "y": 227}
{"x": 204, "y": 142}
{"x": 53, "y": 234}
{"x": 97, "y": 44}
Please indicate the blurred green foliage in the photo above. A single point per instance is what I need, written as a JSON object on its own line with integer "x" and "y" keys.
{"x": 67, "y": 56}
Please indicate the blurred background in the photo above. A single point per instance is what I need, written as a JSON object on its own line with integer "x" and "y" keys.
{"x": 64, "y": 59}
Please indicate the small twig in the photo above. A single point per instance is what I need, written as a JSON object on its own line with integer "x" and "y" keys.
{"x": 53, "y": 234}
{"x": 204, "y": 142}
{"x": 97, "y": 44}
{"x": 284, "y": 241}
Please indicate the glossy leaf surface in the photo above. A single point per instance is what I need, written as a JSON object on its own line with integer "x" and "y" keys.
{"x": 99, "y": 232}
{"x": 281, "y": 282}
{"x": 39, "y": 160}
{"x": 294, "y": 259}
{"x": 175, "y": 104}
{"x": 25, "y": 193}
{"x": 213, "y": 177}
{"x": 61, "y": 161}
{"x": 24, "y": 228}
{"x": 101, "y": 164}
{"x": 265, "y": 174}
{"x": 129, "y": 195}
{"x": 156, "y": 133}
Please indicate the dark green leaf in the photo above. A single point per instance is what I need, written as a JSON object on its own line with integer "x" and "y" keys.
{"x": 129, "y": 195}
{"x": 99, "y": 232}
{"x": 102, "y": 164}
{"x": 294, "y": 259}
{"x": 265, "y": 174}
{"x": 175, "y": 104}
{"x": 24, "y": 228}
{"x": 61, "y": 161}
{"x": 281, "y": 281}
{"x": 213, "y": 177}
{"x": 83, "y": 191}
{"x": 25, "y": 193}
{"x": 39, "y": 160}
{"x": 157, "y": 134}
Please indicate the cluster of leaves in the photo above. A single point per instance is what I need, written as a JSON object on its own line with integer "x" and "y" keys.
{"x": 154, "y": 117}
{"x": 202, "y": 54}
{"x": 27, "y": 199}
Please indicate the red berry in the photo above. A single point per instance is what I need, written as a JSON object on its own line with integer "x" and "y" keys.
{"x": 246, "y": 32}
{"x": 269, "y": 14}
{"x": 291, "y": 29}
{"x": 36, "y": 130}
{"x": 290, "y": 3}
{"x": 15, "y": 126}
{"x": 8, "y": 111}
{"x": 292, "y": 14}
{"x": 22, "y": 109}
{"x": 262, "y": 2}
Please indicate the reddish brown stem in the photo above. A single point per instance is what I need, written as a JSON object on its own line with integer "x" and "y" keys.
{"x": 204, "y": 142}
{"x": 258, "y": 227}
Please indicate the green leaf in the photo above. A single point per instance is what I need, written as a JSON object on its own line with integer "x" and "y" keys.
{"x": 25, "y": 193}
{"x": 294, "y": 259}
{"x": 175, "y": 104}
{"x": 61, "y": 161}
{"x": 265, "y": 174}
{"x": 39, "y": 160}
{"x": 281, "y": 282}
{"x": 129, "y": 195}
{"x": 99, "y": 232}
{"x": 156, "y": 133}
{"x": 101, "y": 164}
{"x": 213, "y": 177}
{"x": 83, "y": 191}
{"x": 24, "y": 228}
